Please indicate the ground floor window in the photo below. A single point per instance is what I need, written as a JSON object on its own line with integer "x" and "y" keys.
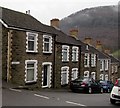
{"x": 64, "y": 75}
{"x": 86, "y": 74}
{"x": 101, "y": 77}
{"x": 93, "y": 74}
{"x": 30, "y": 71}
{"x": 106, "y": 77}
{"x": 74, "y": 73}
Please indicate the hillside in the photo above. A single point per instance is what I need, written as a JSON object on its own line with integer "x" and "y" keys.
{"x": 99, "y": 23}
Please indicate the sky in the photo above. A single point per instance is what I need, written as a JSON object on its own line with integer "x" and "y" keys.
{"x": 45, "y": 10}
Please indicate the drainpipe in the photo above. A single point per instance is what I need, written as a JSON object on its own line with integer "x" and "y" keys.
{"x": 53, "y": 83}
{"x": 9, "y": 55}
{"x": 79, "y": 69}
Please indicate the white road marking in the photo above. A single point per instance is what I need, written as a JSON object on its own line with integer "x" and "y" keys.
{"x": 15, "y": 90}
{"x": 75, "y": 103}
{"x": 45, "y": 97}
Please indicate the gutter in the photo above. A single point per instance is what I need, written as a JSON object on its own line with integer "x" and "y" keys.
{"x": 21, "y": 29}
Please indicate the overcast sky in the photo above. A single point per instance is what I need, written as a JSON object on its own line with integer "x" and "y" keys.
{"x": 45, "y": 10}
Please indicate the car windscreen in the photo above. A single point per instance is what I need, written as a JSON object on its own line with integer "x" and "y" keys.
{"x": 103, "y": 82}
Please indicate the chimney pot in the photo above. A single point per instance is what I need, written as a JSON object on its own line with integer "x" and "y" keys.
{"x": 74, "y": 33}
{"x": 54, "y": 23}
{"x": 99, "y": 45}
{"x": 28, "y": 12}
{"x": 88, "y": 40}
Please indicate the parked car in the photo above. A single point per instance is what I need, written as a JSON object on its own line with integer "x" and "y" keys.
{"x": 107, "y": 85}
{"x": 115, "y": 93}
{"x": 88, "y": 85}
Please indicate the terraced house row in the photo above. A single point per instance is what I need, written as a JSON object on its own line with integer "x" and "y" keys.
{"x": 42, "y": 56}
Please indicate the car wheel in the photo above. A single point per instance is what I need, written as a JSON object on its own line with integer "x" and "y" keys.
{"x": 112, "y": 101}
{"x": 90, "y": 90}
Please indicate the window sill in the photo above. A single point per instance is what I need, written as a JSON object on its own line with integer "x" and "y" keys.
{"x": 30, "y": 82}
{"x": 31, "y": 51}
{"x": 47, "y": 52}
{"x": 65, "y": 61}
{"x": 74, "y": 61}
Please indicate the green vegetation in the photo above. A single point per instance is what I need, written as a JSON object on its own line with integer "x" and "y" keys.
{"x": 116, "y": 54}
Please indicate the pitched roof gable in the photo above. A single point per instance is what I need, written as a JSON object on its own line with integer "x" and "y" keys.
{"x": 23, "y": 21}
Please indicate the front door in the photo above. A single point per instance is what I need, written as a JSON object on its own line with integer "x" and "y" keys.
{"x": 45, "y": 75}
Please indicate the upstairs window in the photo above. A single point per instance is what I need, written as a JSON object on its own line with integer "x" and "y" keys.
{"x": 93, "y": 60}
{"x": 86, "y": 60}
{"x": 65, "y": 53}
{"x": 31, "y": 44}
{"x": 74, "y": 53}
{"x": 101, "y": 65}
{"x": 116, "y": 69}
{"x": 106, "y": 64}
{"x": 47, "y": 44}
{"x": 112, "y": 68}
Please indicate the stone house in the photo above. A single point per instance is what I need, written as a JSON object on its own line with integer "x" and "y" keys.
{"x": 114, "y": 69}
{"x": 36, "y": 55}
{"x": 88, "y": 65}
{"x": 67, "y": 57}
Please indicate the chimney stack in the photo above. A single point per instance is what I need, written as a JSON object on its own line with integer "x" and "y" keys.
{"x": 88, "y": 40}
{"x": 74, "y": 33}
{"x": 99, "y": 46}
{"x": 107, "y": 51}
{"x": 54, "y": 23}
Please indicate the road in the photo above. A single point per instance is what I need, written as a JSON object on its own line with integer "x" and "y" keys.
{"x": 20, "y": 97}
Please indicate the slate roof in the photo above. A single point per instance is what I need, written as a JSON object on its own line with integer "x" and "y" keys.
{"x": 23, "y": 21}
{"x": 113, "y": 59}
{"x": 66, "y": 39}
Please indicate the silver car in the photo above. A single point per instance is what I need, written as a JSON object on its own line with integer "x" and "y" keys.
{"x": 115, "y": 93}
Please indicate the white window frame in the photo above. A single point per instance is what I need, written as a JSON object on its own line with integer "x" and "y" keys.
{"x": 116, "y": 69}
{"x": 49, "y": 75}
{"x": 93, "y": 74}
{"x": 87, "y": 47}
{"x": 35, "y": 70}
{"x": 35, "y": 35}
{"x": 106, "y": 64}
{"x": 101, "y": 65}
{"x": 106, "y": 77}
{"x": 112, "y": 69}
{"x": 50, "y": 43}
{"x": 101, "y": 76}
{"x": 74, "y": 53}
{"x": 74, "y": 74}
{"x": 86, "y": 74}
{"x": 86, "y": 58}
{"x": 93, "y": 60}
{"x": 65, "y": 72}
{"x": 65, "y": 48}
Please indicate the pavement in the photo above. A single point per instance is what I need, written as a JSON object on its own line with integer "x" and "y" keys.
{"x": 6, "y": 85}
